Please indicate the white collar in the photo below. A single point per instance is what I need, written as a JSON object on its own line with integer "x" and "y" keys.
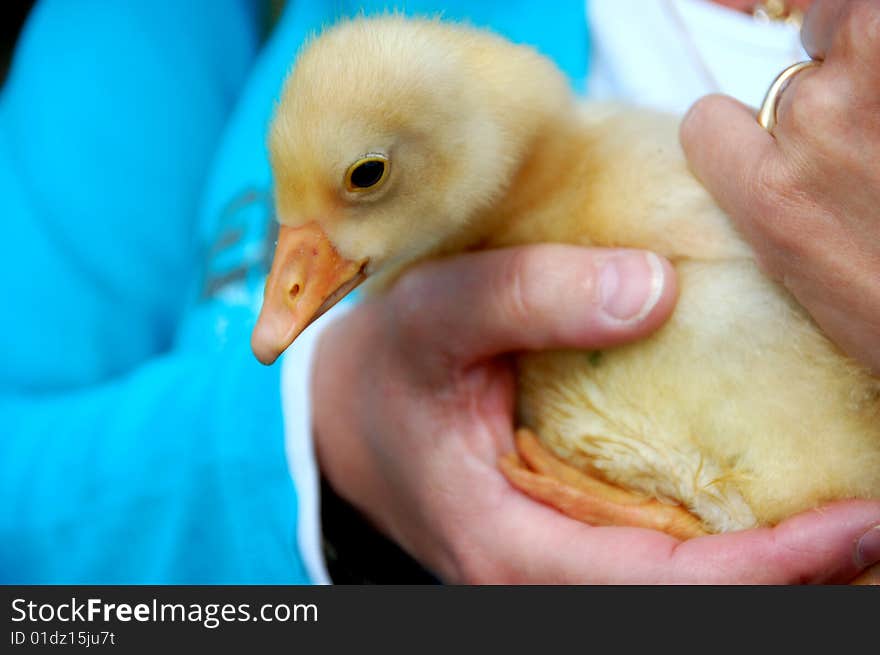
{"x": 667, "y": 53}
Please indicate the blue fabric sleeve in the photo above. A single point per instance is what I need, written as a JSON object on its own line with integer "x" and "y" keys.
{"x": 122, "y": 461}
{"x": 109, "y": 120}
{"x": 174, "y": 473}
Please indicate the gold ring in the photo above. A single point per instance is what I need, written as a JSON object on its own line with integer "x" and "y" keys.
{"x": 767, "y": 113}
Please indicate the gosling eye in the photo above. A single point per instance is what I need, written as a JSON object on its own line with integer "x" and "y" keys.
{"x": 367, "y": 173}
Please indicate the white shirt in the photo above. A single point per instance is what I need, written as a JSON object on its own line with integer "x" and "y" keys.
{"x": 666, "y": 54}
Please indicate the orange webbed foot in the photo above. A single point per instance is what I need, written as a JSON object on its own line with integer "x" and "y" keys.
{"x": 541, "y": 475}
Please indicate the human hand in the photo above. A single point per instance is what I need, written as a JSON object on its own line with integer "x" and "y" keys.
{"x": 808, "y": 200}
{"x": 413, "y": 406}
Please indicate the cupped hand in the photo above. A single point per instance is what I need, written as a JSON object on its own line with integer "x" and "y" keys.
{"x": 808, "y": 197}
{"x": 413, "y": 406}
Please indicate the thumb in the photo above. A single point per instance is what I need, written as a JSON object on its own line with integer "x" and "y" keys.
{"x": 479, "y": 305}
{"x": 726, "y": 149}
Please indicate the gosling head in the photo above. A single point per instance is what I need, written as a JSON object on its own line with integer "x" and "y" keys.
{"x": 390, "y": 136}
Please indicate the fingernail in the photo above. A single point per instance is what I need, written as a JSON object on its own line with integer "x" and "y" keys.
{"x": 868, "y": 550}
{"x": 630, "y": 285}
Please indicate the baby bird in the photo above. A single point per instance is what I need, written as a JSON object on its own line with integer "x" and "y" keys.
{"x": 397, "y": 140}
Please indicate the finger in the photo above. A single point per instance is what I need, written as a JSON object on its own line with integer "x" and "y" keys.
{"x": 847, "y": 31}
{"x": 739, "y": 163}
{"x": 820, "y": 23}
{"x": 827, "y": 545}
{"x": 727, "y": 150}
{"x": 832, "y": 545}
{"x": 536, "y": 297}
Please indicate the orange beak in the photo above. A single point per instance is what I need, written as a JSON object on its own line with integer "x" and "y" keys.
{"x": 308, "y": 277}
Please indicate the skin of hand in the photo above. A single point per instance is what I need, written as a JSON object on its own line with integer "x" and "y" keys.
{"x": 808, "y": 200}
{"x": 413, "y": 401}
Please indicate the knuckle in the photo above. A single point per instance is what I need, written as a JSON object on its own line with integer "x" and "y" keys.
{"x": 809, "y": 105}
{"x": 772, "y": 185}
{"x": 515, "y": 286}
{"x": 777, "y": 193}
{"x": 407, "y": 305}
